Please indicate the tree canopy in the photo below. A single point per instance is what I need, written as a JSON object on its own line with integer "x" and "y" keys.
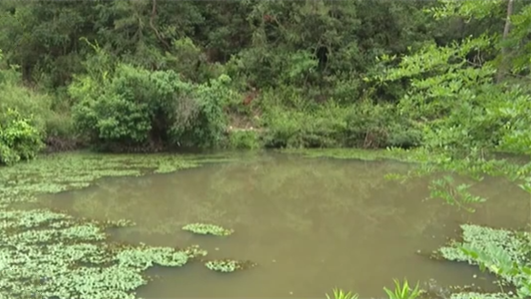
{"x": 151, "y": 74}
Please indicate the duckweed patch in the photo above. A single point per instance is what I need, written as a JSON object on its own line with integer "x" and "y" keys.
{"x": 494, "y": 249}
{"x": 207, "y": 229}
{"x": 48, "y": 254}
{"x": 228, "y": 265}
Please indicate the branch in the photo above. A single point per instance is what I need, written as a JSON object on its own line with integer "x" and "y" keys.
{"x": 506, "y": 29}
{"x": 152, "y": 25}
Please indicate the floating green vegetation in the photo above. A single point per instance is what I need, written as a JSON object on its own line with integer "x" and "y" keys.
{"x": 207, "y": 229}
{"x": 55, "y": 255}
{"x": 228, "y": 265}
{"x": 502, "y": 252}
{"x": 48, "y": 254}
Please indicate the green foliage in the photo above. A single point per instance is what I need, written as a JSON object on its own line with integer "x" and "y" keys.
{"x": 19, "y": 139}
{"x": 330, "y": 125}
{"x": 452, "y": 95}
{"x": 245, "y": 139}
{"x": 450, "y": 99}
{"x": 22, "y": 118}
{"x": 467, "y": 8}
{"x": 207, "y": 123}
{"x": 27, "y": 101}
{"x": 453, "y": 194}
{"x": 134, "y": 106}
{"x": 403, "y": 291}
{"x": 298, "y": 53}
{"x": 322, "y": 127}
{"x": 42, "y": 38}
{"x": 379, "y": 126}
{"x": 122, "y": 112}
{"x": 340, "y": 294}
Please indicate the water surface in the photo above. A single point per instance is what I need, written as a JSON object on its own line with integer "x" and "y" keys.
{"x": 310, "y": 224}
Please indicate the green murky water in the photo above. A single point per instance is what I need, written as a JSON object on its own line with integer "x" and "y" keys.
{"x": 310, "y": 224}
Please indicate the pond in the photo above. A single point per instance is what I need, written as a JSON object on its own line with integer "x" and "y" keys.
{"x": 310, "y": 224}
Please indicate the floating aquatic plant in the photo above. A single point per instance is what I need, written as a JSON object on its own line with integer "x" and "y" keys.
{"x": 503, "y": 252}
{"x": 144, "y": 257}
{"x": 498, "y": 245}
{"x": 228, "y": 265}
{"x": 49, "y": 254}
{"x": 80, "y": 270}
{"x": 72, "y": 262}
{"x": 207, "y": 229}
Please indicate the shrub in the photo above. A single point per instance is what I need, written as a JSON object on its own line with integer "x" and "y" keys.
{"x": 319, "y": 127}
{"x": 379, "y": 125}
{"x": 244, "y": 139}
{"x": 25, "y": 100}
{"x": 19, "y": 138}
{"x": 136, "y": 107}
{"x": 362, "y": 124}
{"x": 23, "y": 117}
{"x": 205, "y": 127}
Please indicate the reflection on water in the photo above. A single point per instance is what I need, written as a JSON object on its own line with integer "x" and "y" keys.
{"x": 311, "y": 225}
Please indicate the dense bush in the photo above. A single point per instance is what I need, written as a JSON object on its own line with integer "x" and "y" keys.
{"x": 25, "y": 100}
{"x": 19, "y": 138}
{"x": 319, "y": 127}
{"x": 457, "y": 105}
{"x": 23, "y": 117}
{"x": 380, "y": 125}
{"x": 136, "y": 107}
{"x": 322, "y": 74}
{"x": 363, "y": 124}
